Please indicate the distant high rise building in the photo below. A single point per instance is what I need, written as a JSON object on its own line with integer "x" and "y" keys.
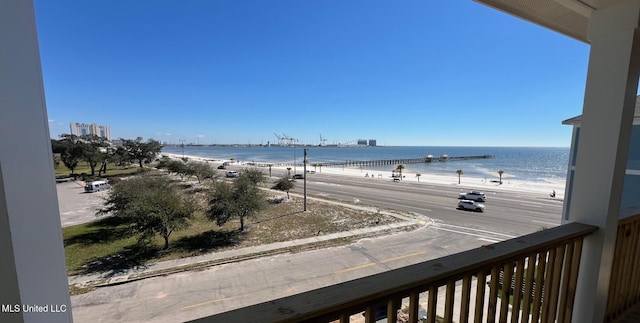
{"x": 84, "y": 129}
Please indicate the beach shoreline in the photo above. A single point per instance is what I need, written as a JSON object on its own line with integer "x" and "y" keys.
{"x": 543, "y": 188}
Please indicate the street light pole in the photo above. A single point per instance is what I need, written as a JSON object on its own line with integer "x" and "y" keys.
{"x": 305, "y": 179}
{"x": 294, "y": 157}
{"x": 182, "y": 142}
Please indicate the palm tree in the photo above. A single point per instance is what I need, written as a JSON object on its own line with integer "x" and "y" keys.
{"x": 270, "y": 169}
{"x": 288, "y": 171}
{"x": 459, "y": 172}
{"x": 500, "y": 172}
{"x": 400, "y": 168}
{"x": 418, "y": 176}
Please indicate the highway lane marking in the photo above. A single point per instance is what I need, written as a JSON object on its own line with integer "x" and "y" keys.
{"x": 541, "y": 204}
{"x": 203, "y": 303}
{"x": 549, "y": 223}
{"x": 439, "y": 225}
{"x": 489, "y": 240}
{"x": 483, "y": 237}
{"x": 461, "y": 232}
{"x": 383, "y": 262}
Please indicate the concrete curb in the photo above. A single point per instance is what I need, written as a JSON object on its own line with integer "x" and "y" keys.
{"x": 240, "y": 255}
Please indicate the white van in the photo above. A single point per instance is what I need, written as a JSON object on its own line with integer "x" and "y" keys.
{"x": 96, "y": 186}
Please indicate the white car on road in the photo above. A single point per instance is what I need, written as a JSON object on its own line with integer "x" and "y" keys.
{"x": 473, "y": 195}
{"x": 470, "y": 205}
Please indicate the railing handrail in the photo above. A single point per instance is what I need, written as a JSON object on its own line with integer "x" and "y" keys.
{"x": 629, "y": 219}
{"x": 322, "y": 301}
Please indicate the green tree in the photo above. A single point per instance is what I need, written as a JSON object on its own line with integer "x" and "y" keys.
{"x": 56, "y": 160}
{"x": 57, "y": 146}
{"x": 178, "y": 167}
{"x": 200, "y": 170}
{"x": 255, "y": 176}
{"x": 459, "y": 172}
{"x": 288, "y": 171}
{"x": 120, "y": 157}
{"x": 94, "y": 151}
{"x": 142, "y": 151}
{"x": 400, "y": 168}
{"x": 72, "y": 151}
{"x": 285, "y": 185}
{"x": 270, "y": 165}
{"x": 163, "y": 163}
{"x": 418, "y": 176}
{"x": 151, "y": 204}
{"x": 240, "y": 199}
{"x": 500, "y": 172}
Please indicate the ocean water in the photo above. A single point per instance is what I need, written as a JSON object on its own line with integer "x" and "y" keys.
{"x": 535, "y": 164}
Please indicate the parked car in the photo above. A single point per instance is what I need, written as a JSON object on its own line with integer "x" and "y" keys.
{"x": 222, "y": 167}
{"x": 298, "y": 176}
{"x": 96, "y": 186}
{"x": 233, "y": 173}
{"x": 470, "y": 205}
{"x": 473, "y": 195}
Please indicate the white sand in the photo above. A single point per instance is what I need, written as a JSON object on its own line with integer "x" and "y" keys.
{"x": 466, "y": 182}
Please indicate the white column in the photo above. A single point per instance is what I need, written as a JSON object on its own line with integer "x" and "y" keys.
{"x": 32, "y": 263}
{"x": 612, "y": 83}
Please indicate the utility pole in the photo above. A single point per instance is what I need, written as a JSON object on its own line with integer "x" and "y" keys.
{"x": 305, "y": 179}
{"x": 182, "y": 142}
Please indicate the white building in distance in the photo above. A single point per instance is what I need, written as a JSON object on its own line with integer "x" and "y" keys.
{"x": 84, "y": 129}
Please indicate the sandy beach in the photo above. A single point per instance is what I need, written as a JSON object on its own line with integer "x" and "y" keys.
{"x": 543, "y": 188}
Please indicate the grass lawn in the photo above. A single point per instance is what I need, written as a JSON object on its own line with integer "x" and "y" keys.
{"x": 63, "y": 171}
{"x": 106, "y": 244}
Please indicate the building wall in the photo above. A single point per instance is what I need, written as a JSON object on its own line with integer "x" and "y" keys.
{"x": 83, "y": 129}
{"x": 630, "y": 204}
{"x": 32, "y": 262}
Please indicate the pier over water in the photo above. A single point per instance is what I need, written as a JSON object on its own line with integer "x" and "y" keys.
{"x": 399, "y": 161}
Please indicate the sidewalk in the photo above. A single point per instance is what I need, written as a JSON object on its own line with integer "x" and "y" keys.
{"x": 217, "y": 258}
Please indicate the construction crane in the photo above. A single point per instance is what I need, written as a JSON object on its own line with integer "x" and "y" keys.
{"x": 322, "y": 141}
{"x": 280, "y": 139}
{"x": 290, "y": 141}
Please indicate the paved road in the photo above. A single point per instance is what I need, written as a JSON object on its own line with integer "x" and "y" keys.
{"x": 185, "y": 296}
{"x": 75, "y": 205}
{"x": 510, "y": 213}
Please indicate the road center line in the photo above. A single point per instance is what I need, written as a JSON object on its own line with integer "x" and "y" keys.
{"x": 405, "y": 256}
{"x": 383, "y": 262}
{"x": 204, "y": 303}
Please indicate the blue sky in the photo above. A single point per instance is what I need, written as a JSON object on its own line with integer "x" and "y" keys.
{"x": 414, "y": 72}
